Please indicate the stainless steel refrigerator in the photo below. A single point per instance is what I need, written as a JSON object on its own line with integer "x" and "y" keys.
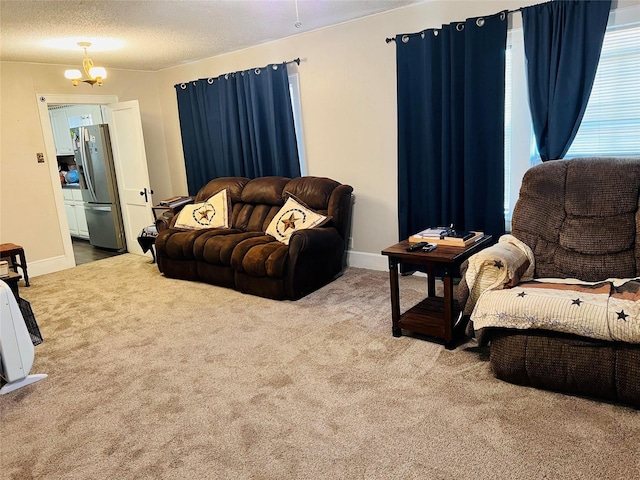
{"x": 97, "y": 176}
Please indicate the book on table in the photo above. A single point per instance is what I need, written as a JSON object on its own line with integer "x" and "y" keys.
{"x": 175, "y": 201}
{"x": 446, "y": 236}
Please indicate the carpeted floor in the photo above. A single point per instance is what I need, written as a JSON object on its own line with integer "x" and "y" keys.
{"x": 153, "y": 378}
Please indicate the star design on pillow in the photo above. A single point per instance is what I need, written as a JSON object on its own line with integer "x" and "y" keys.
{"x": 204, "y": 214}
{"x": 577, "y": 302}
{"x": 290, "y": 222}
{"x": 622, "y": 316}
{"x": 498, "y": 263}
{"x": 522, "y": 294}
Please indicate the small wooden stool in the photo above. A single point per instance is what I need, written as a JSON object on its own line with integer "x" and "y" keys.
{"x": 12, "y": 251}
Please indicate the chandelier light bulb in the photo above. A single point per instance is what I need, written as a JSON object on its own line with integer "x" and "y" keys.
{"x": 96, "y": 72}
{"x": 73, "y": 74}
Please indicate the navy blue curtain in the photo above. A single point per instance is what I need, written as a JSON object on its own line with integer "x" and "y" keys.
{"x": 562, "y": 43}
{"x": 451, "y": 126}
{"x": 238, "y": 124}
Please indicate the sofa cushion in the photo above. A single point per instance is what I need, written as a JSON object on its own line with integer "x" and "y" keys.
{"x": 212, "y": 213}
{"x": 216, "y": 247}
{"x": 315, "y": 192}
{"x": 264, "y": 190}
{"x": 234, "y": 186}
{"x": 293, "y": 216}
{"x": 260, "y": 201}
{"x": 260, "y": 257}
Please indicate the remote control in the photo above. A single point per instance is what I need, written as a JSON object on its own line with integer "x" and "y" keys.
{"x": 429, "y": 247}
{"x": 417, "y": 246}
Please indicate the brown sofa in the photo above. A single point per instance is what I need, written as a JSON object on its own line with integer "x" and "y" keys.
{"x": 581, "y": 219}
{"x": 244, "y": 257}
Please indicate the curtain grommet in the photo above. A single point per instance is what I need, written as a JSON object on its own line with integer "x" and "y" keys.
{"x": 257, "y": 71}
{"x": 275, "y": 67}
{"x": 436, "y": 33}
{"x": 183, "y": 86}
{"x": 210, "y": 81}
{"x": 405, "y": 38}
{"x": 480, "y": 22}
{"x": 460, "y": 27}
{"x": 503, "y": 15}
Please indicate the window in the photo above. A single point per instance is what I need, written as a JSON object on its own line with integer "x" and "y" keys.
{"x": 611, "y": 124}
{"x": 519, "y": 137}
{"x": 294, "y": 92}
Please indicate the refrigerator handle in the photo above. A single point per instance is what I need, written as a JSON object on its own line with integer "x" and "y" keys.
{"x": 88, "y": 165}
{"x": 144, "y": 192}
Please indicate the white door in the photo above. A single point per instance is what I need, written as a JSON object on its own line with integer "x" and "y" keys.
{"x": 130, "y": 158}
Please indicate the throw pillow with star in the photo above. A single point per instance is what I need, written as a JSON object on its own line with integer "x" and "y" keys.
{"x": 293, "y": 216}
{"x": 212, "y": 213}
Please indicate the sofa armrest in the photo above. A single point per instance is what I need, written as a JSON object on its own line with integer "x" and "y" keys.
{"x": 313, "y": 239}
{"x": 165, "y": 221}
{"x": 316, "y": 256}
{"x": 169, "y": 217}
{"x": 502, "y": 265}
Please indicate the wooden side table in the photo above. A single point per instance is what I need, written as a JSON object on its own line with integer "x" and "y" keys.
{"x": 158, "y": 210}
{"x": 433, "y": 316}
{"x": 13, "y": 251}
{"x": 12, "y": 280}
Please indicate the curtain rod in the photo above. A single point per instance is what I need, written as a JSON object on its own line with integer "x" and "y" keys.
{"x": 295, "y": 60}
{"x": 393, "y": 39}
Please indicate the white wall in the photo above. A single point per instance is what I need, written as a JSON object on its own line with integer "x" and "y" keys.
{"x": 348, "y": 94}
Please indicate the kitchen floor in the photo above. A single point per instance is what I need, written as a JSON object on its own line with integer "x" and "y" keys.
{"x": 84, "y": 252}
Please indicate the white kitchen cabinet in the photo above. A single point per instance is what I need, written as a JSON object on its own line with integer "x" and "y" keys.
{"x": 81, "y": 217}
{"x": 70, "y": 208}
{"x": 64, "y": 118}
{"x": 83, "y": 115}
{"x": 60, "y": 129}
{"x": 74, "y": 206}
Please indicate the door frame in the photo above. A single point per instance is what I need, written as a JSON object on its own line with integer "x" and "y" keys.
{"x": 43, "y": 101}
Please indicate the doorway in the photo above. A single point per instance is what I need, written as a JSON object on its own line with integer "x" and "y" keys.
{"x": 127, "y": 143}
{"x": 76, "y": 188}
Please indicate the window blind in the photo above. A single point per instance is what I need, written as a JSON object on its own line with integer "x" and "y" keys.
{"x": 611, "y": 123}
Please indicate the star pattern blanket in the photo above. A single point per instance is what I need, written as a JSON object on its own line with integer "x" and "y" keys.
{"x": 500, "y": 266}
{"x": 608, "y": 310}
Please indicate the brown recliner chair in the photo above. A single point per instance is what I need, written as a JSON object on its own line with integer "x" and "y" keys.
{"x": 581, "y": 219}
{"x": 244, "y": 257}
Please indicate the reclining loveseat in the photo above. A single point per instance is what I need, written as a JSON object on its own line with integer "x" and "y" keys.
{"x": 245, "y": 254}
{"x": 558, "y": 300}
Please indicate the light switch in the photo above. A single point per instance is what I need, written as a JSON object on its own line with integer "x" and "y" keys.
{"x": 40, "y": 157}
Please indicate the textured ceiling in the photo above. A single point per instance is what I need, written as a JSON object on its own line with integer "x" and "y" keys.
{"x": 156, "y": 34}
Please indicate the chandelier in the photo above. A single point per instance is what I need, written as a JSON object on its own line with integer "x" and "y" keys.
{"x": 94, "y": 74}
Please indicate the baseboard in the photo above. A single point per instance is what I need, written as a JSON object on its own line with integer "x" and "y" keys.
{"x": 370, "y": 261}
{"x": 48, "y": 265}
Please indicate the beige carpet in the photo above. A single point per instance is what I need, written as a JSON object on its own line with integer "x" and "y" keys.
{"x": 153, "y": 378}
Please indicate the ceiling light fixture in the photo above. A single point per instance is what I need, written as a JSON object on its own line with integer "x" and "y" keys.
{"x": 94, "y": 74}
